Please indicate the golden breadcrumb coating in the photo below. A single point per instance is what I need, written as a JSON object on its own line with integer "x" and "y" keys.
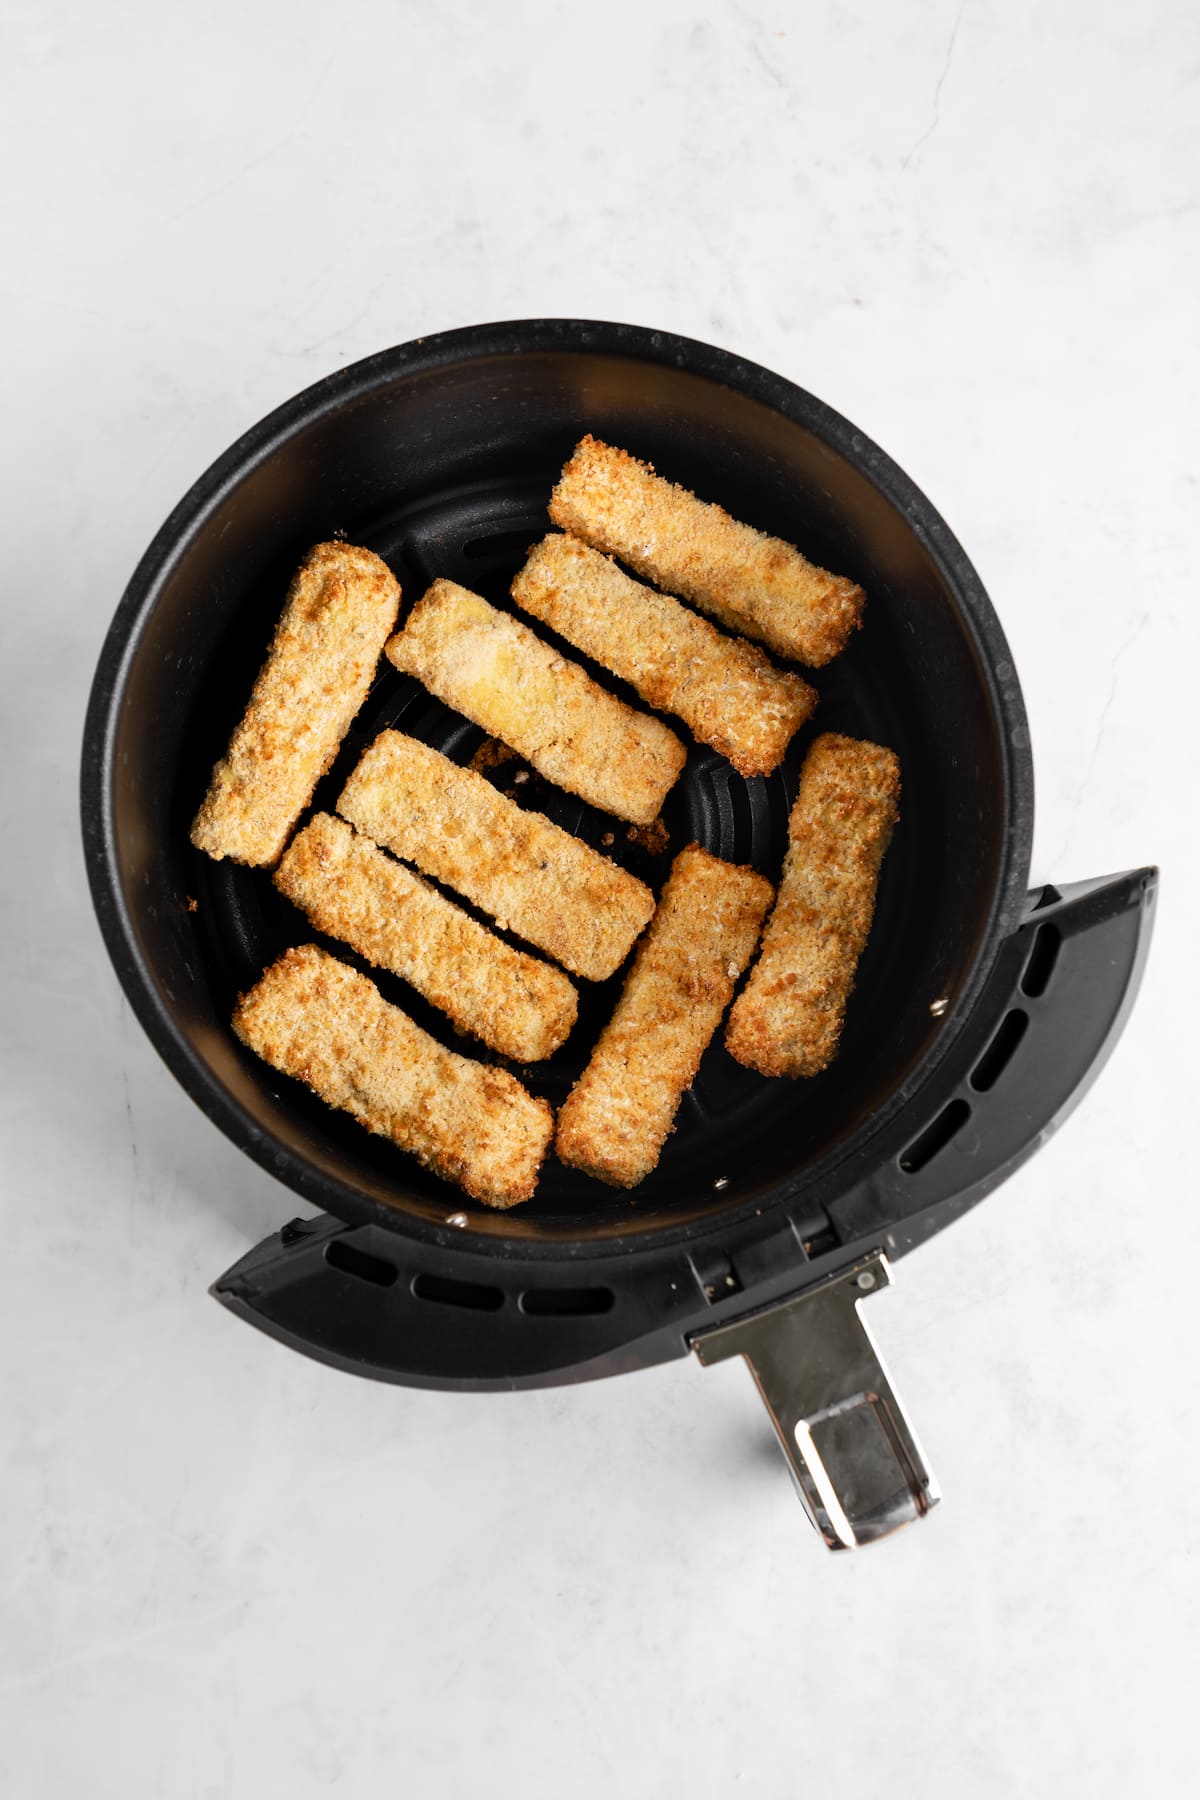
{"x": 752, "y": 583}
{"x": 313, "y": 1017}
{"x": 353, "y": 891}
{"x": 340, "y": 607}
{"x": 788, "y": 1019}
{"x": 530, "y": 876}
{"x": 499, "y": 673}
{"x": 617, "y": 1116}
{"x": 726, "y": 690}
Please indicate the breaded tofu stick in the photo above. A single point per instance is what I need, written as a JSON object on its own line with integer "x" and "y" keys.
{"x": 312, "y": 1017}
{"x": 617, "y": 1116}
{"x": 529, "y": 875}
{"x": 498, "y": 672}
{"x": 351, "y": 890}
{"x": 752, "y": 583}
{"x": 340, "y": 607}
{"x": 729, "y": 693}
{"x": 788, "y": 1019}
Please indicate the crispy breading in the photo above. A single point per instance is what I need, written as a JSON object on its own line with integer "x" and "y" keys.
{"x": 340, "y": 608}
{"x": 353, "y": 891}
{"x": 726, "y": 690}
{"x": 499, "y": 673}
{"x": 532, "y": 877}
{"x": 752, "y": 583}
{"x": 313, "y": 1017}
{"x": 617, "y": 1116}
{"x": 788, "y": 1019}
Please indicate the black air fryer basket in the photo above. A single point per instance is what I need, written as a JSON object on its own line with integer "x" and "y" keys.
{"x": 981, "y": 1012}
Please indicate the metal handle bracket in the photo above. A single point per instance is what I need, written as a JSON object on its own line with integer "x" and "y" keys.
{"x": 854, "y": 1456}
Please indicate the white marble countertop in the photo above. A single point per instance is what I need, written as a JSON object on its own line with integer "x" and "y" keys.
{"x": 972, "y": 228}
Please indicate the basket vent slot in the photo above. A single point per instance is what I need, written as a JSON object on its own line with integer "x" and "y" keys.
{"x": 1047, "y": 941}
{"x": 999, "y": 1053}
{"x": 572, "y": 1303}
{"x": 352, "y": 1261}
{"x": 447, "y": 1292}
{"x": 935, "y": 1137}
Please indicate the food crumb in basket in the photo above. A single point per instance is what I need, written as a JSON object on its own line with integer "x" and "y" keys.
{"x": 490, "y": 755}
{"x": 653, "y": 838}
{"x": 192, "y": 905}
{"x": 608, "y": 839}
{"x": 521, "y": 775}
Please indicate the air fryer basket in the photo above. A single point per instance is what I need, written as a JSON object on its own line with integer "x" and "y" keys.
{"x": 441, "y": 455}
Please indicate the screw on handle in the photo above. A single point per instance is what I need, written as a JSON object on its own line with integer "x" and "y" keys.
{"x": 854, "y": 1456}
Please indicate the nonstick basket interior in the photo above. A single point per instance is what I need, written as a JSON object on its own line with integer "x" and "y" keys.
{"x": 446, "y": 470}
